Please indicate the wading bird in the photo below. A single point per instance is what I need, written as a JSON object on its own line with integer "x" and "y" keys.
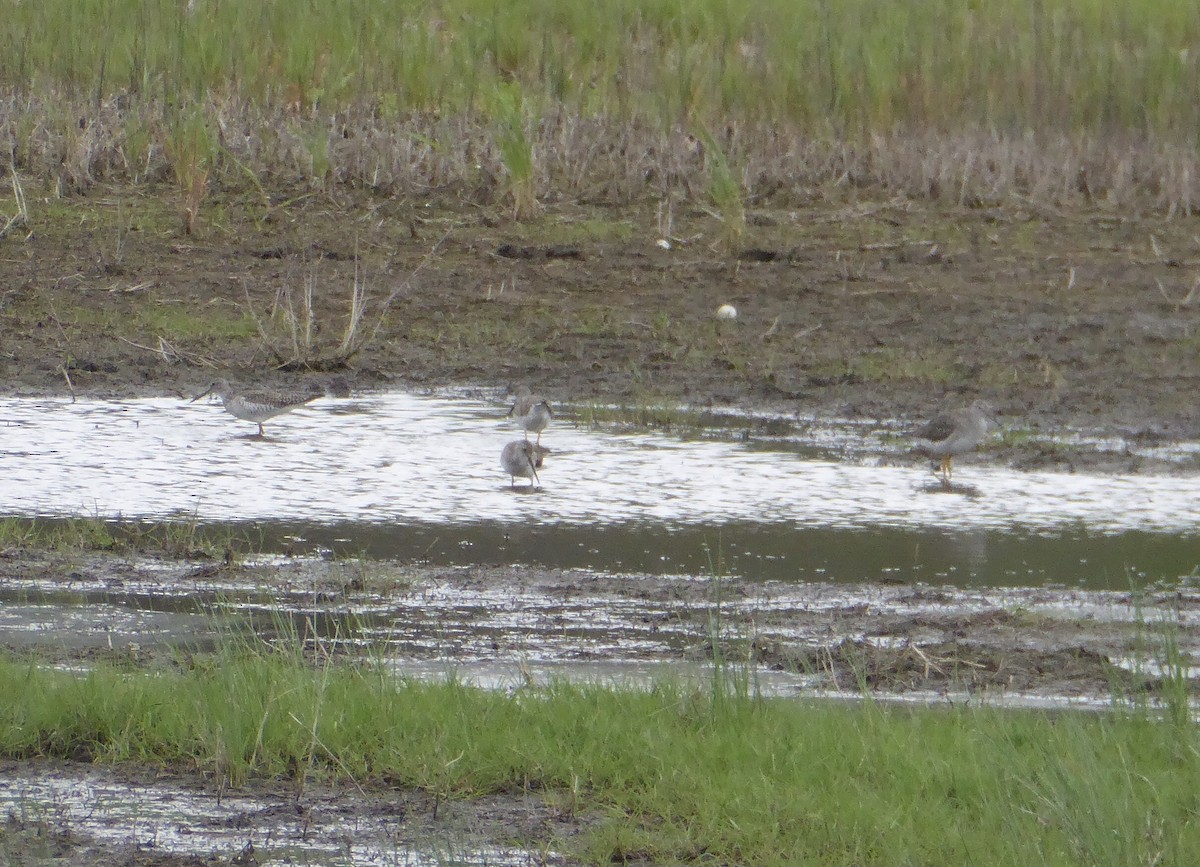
{"x": 531, "y": 412}
{"x": 256, "y": 406}
{"x": 955, "y": 433}
{"x": 523, "y": 458}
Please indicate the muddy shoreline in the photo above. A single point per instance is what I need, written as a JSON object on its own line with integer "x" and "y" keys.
{"x": 185, "y": 819}
{"x": 876, "y": 310}
{"x": 1041, "y": 642}
{"x": 511, "y": 627}
{"x": 1070, "y": 322}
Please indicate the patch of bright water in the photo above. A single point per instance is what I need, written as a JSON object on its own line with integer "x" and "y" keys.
{"x": 97, "y": 625}
{"x": 398, "y": 458}
{"x": 400, "y": 475}
{"x": 518, "y": 673}
{"x": 575, "y": 627}
{"x": 168, "y": 817}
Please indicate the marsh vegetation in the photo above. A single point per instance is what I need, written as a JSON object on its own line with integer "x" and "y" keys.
{"x": 904, "y": 201}
{"x": 670, "y": 774}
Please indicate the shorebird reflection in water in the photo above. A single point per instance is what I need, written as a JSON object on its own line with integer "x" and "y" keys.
{"x": 533, "y": 413}
{"x": 256, "y": 406}
{"x": 523, "y": 458}
{"x": 955, "y": 433}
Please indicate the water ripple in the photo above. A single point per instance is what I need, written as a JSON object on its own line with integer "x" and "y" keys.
{"x": 398, "y": 458}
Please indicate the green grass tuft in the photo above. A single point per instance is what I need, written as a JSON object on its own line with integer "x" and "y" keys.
{"x": 671, "y": 773}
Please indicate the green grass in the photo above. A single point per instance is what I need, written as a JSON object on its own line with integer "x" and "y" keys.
{"x": 725, "y": 191}
{"x": 67, "y": 534}
{"x": 77, "y": 327}
{"x": 529, "y": 98}
{"x": 669, "y": 774}
{"x": 177, "y": 321}
{"x": 509, "y": 113}
{"x": 937, "y": 366}
{"x": 184, "y": 538}
{"x": 856, "y": 65}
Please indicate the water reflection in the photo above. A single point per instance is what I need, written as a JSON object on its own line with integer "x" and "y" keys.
{"x": 399, "y": 459}
{"x": 181, "y": 822}
{"x": 757, "y": 551}
{"x": 400, "y": 474}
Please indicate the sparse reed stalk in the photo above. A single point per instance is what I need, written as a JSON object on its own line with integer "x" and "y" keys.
{"x": 1163, "y": 680}
{"x": 725, "y": 191}
{"x": 301, "y": 321}
{"x": 190, "y": 149}
{"x": 352, "y": 338}
{"x": 733, "y": 678}
{"x": 516, "y": 148}
{"x": 293, "y": 321}
{"x": 856, "y": 86}
{"x": 20, "y": 216}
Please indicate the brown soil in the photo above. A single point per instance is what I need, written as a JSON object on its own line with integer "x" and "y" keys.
{"x": 858, "y": 309}
{"x": 961, "y": 645}
{"x": 855, "y": 309}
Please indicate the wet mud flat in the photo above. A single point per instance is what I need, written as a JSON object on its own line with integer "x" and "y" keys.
{"x": 508, "y": 627}
{"x": 1077, "y": 322}
{"x": 869, "y": 310}
{"x": 66, "y": 812}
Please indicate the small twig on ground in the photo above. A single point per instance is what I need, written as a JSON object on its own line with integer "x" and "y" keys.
{"x": 137, "y": 287}
{"x": 21, "y": 217}
{"x": 929, "y": 663}
{"x": 171, "y": 355}
{"x": 67, "y": 376}
{"x": 1183, "y": 302}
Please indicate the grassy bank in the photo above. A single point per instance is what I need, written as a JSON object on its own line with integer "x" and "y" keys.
{"x": 186, "y": 538}
{"x": 616, "y": 100}
{"x": 857, "y": 66}
{"x": 669, "y": 774}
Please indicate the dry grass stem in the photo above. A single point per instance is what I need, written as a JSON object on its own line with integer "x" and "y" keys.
{"x": 1180, "y": 303}
{"x": 603, "y": 158}
{"x": 20, "y": 217}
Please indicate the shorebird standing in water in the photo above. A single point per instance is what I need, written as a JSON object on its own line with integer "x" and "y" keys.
{"x": 256, "y": 406}
{"x": 955, "y": 433}
{"x": 533, "y": 413}
{"x": 523, "y": 458}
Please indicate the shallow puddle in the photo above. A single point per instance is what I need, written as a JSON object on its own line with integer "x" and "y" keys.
{"x": 400, "y": 459}
{"x": 399, "y": 475}
{"x": 169, "y": 816}
{"x": 397, "y": 478}
{"x": 505, "y": 628}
